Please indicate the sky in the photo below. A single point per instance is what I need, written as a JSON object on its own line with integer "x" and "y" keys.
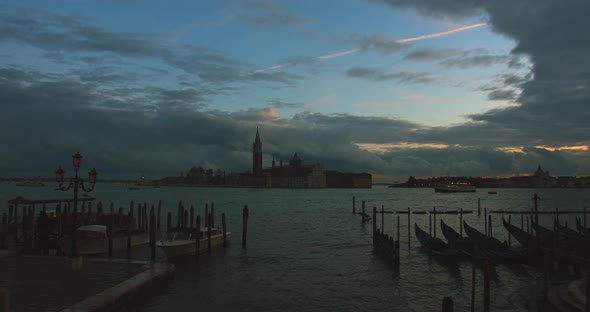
{"x": 390, "y": 87}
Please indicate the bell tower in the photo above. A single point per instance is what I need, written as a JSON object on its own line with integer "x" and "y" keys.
{"x": 257, "y": 155}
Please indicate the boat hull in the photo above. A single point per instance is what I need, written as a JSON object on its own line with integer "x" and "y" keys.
{"x": 447, "y": 190}
{"x": 101, "y": 246}
{"x": 175, "y": 248}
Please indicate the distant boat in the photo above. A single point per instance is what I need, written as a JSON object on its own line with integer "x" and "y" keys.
{"x": 30, "y": 183}
{"x": 459, "y": 187}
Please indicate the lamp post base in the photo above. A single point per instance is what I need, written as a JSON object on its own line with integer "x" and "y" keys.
{"x": 76, "y": 263}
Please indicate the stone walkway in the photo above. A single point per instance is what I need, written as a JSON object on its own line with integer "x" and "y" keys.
{"x": 51, "y": 284}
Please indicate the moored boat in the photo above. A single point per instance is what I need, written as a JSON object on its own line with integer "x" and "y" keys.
{"x": 458, "y": 187}
{"x": 184, "y": 242}
{"x": 93, "y": 240}
{"x": 437, "y": 248}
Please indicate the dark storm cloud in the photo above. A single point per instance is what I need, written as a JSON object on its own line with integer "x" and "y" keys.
{"x": 499, "y": 95}
{"x": 139, "y": 130}
{"x": 553, "y": 106}
{"x": 376, "y": 74}
{"x": 477, "y": 60}
{"x": 426, "y": 54}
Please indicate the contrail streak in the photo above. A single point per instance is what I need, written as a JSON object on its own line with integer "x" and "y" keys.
{"x": 405, "y": 40}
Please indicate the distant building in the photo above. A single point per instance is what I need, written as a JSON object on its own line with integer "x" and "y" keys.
{"x": 257, "y": 155}
{"x": 294, "y": 175}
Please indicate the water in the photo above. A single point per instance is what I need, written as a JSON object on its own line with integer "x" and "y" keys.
{"x": 307, "y": 252}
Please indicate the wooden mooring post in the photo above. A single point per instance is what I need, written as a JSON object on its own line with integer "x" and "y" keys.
{"x": 478, "y": 207}
{"x": 11, "y": 212}
{"x": 490, "y": 226}
{"x": 374, "y": 225}
{"x": 198, "y": 240}
{"x": 447, "y": 304}
{"x": 430, "y": 224}
{"x": 169, "y": 222}
{"x": 209, "y": 235}
{"x": 398, "y": 228}
{"x": 159, "y": 214}
{"x": 192, "y": 217}
{"x": 528, "y": 229}
{"x": 473, "y": 287}
{"x": 536, "y": 206}
{"x": 509, "y": 235}
{"x": 4, "y": 300}
{"x": 178, "y": 215}
{"x": 461, "y": 222}
{"x": 111, "y": 230}
{"x": 486, "y": 287}
{"x": 585, "y": 220}
{"x": 206, "y": 215}
{"x": 224, "y": 229}
{"x": 434, "y": 222}
{"x": 363, "y": 213}
{"x": 245, "y": 215}
{"x": 409, "y": 236}
{"x": 353, "y": 205}
{"x": 557, "y": 214}
{"x": 129, "y": 229}
{"x": 152, "y": 234}
{"x": 382, "y": 217}
{"x": 212, "y": 214}
{"x": 485, "y": 221}
{"x": 4, "y": 231}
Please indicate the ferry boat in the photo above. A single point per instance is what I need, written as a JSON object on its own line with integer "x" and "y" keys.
{"x": 458, "y": 187}
{"x": 30, "y": 183}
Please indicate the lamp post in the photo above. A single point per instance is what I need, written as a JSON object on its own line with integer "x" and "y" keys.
{"x": 75, "y": 182}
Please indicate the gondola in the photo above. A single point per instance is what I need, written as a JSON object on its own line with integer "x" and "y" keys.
{"x": 437, "y": 248}
{"x": 482, "y": 240}
{"x": 495, "y": 252}
{"x": 564, "y": 229}
{"x": 524, "y": 238}
{"x": 464, "y": 244}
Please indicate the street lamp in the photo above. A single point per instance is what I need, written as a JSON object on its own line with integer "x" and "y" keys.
{"x": 75, "y": 182}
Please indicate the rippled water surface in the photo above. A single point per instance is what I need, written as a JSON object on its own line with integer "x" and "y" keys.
{"x": 307, "y": 252}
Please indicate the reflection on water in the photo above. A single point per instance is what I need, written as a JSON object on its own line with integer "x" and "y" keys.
{"x": 307, "y": 252}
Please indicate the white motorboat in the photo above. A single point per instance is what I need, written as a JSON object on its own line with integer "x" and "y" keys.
{"x": 184, "y": 242}
{"x": 93, "y": 240}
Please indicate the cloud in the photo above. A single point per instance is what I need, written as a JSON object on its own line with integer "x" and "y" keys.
{"x": 68, "y": 34}
{"x": 502, "y": 95}
{"x": 552, "y": 106}
{"x": 452, "y": 9}
{"x": 148, "y": 126}
{"x": 376, "y": 74}
{"x": 266, "y": 13}
{"x": 474, "y": 61}
{"x": 426, "y": 54}
{"x": 276, "y": 103}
